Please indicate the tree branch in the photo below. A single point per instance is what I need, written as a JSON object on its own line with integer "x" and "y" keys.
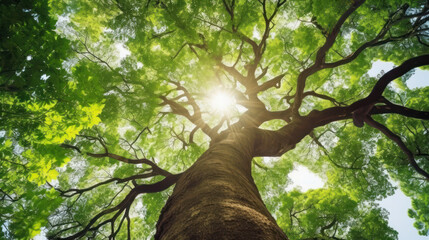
{"x": 72, "y": 191}
{"x": 321, "y": 53}
{"x": 155, "y": 168}
{"x": 99, "y": 60}
{"x": 274, "y": 82}
{"x": 404, "y": 111}
{"x": 371, "y": 122}
{"x": 124, "y": 205}
{"x": 196, "y": 119}
{"x": 366, "y": 104}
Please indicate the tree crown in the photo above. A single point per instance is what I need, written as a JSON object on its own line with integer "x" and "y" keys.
{"x": 108, "y": 102}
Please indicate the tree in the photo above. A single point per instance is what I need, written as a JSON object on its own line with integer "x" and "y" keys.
{"x": 123, "y": 143}
{"x": 37, "y": 114}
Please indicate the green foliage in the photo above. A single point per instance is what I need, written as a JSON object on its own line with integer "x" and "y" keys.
{"x": 323, "y": 213}
{"x": 40, "y": 109}
{"x": 63, "y": 82}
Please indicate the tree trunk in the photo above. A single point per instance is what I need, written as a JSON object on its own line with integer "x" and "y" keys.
{"x": 217, "y": 198}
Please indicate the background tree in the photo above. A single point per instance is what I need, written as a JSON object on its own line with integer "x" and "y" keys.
{"x": 296, "y": 76}
{"x": 40, "y": 107}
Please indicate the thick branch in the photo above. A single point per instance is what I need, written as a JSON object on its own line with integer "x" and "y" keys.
{"x": 395, "y": 73}
{"x": 275, "y": 143}
{"x": 237, "y": 76}
{"x": 377, "y": 41}
{"x": 274, "y": 82}
{"x": 338, "y": 113}
{"x": 404, "y": 111}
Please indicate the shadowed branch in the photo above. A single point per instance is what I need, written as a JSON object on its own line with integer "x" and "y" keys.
{"x": 389, "y": 134}
{"x": 155, "y": 168}
{"x": 321, "y": 54}
{"x": 122, "y": 207}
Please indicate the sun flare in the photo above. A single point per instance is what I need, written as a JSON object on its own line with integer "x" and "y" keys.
{"x": 222, "y": 101}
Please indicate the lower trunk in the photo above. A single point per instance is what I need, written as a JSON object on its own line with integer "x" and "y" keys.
{"x": 217, "y": 198}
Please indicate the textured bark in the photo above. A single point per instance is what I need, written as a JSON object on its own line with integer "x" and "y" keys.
{"x": 217, "y": 198}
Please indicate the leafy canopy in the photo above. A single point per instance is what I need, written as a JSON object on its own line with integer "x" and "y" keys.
{"x": 86, "y": 128}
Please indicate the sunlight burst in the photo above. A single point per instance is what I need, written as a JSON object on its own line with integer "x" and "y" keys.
{"x": 222, "y": 101}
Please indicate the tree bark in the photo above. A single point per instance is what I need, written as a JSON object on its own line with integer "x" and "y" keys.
{"x": 217, "y": 198}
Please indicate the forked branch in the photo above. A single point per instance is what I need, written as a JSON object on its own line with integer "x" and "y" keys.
{"x": 122, "y": 207}
{"x": 365, "y": 106}
{"x": 380, "y": 39}
{"x": 195, "y": 118}
{"x": 321, "y": 54}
